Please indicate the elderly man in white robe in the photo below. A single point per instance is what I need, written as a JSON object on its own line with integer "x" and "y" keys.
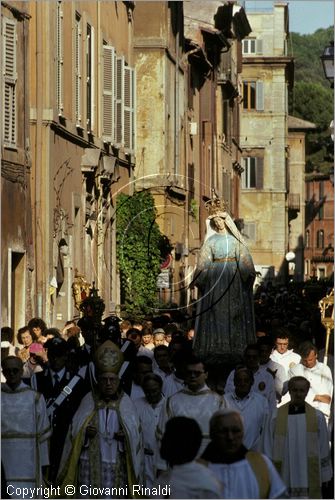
{"x": 148, "y": 409}
{"x": 104, "y": 447}
{"x": 263, "y": 380}
{"x": 25, "y": 430}
{"x": 296, "y": 440}
{"x": 195, "y": 401}
{"x": 253, "y": 407}
{"x": 242, "y": 473}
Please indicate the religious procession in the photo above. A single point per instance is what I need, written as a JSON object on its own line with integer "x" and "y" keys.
{"x": 167, "y": 224}
{"x": 235, "y": 404}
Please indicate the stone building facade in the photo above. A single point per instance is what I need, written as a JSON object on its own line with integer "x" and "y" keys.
{"x": 267, "y": 74}
{"x": 17, "y": 252}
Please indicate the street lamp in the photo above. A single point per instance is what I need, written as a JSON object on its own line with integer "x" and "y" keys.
{"x": 327, "y": 60}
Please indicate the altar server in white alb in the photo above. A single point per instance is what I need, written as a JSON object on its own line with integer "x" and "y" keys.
{"x": 196, "y": 401}
{"x": 148, "y": 409}
{"x": 282, "y": 354}
{"x": 297, "y": 441}
{"x": 253, "y": 407}
{"x": 25, "y": 430}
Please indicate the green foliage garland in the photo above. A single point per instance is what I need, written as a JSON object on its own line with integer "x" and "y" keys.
{"x": 140, "y": 249}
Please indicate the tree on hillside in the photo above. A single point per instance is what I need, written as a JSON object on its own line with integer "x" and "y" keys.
{"x": 312, "y": 98}
{"x": 312, "y": 102}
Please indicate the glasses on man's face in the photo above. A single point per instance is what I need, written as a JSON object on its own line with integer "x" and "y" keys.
{"x": 193, "y": 373}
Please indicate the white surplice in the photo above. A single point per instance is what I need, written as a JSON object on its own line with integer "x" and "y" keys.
{"x": 198, "y": 405}
{"x": 254, "y": 409}
{"x": 295, "y": 465}
{"x": 239, "y": 481}
{"x": 149, "y": 416}
{"x": 25, "y": 430}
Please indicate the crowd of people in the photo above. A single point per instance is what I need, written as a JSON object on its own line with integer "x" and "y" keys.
{"x": 130, "y": 410}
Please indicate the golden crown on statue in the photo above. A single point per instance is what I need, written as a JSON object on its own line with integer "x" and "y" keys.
{"x": 216, "y": 205}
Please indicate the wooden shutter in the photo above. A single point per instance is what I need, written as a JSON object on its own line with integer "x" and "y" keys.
{"x": 108, "y": 94}
{"x": 259, "y": 173}
{"x": 59, "y": 59}
{"x": 259, "y": 46}
{"x": 129, "y": 110}
{"x": 10, "y": 77}
{"x": 77, "y": 68}
{"x": 249, "y": 231}
{"x": 259, "y": 96}
{"x": 119, "y": 101}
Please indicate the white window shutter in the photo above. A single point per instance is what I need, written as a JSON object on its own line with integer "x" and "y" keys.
{"x": 59, "y": 59}
{"x": 108, "y": 94}
{"x": 259, "y": 95}
{"x": 259, "y": 46}
{"x": 9, "y": 32}
{"x": 134, "y": 109}
{"x": 92, "y": 78}
{"x": 119, "y": 101}
{"x": 128, "y": 108}
{"x": 10, "y": 77}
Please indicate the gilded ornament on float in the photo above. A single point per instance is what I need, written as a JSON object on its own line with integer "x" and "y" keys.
{"x": 326, "y": 306}
{"x": 80, "y": 289}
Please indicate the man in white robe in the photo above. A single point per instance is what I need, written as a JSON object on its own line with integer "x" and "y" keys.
{"x": 148, "y": 409}
{"x": 242, "y": 473}
{"x": 319, "y": 376}
{"x": 175, "y": 382}
{"x": 195, "y": 401}
{"x": 297, "y": 441}
{"x": 104, "y": 447}
{"x": 25, "y": 430}
{"x": 281, "y": 354}
{"x": 263, "y": 380}
{"x": 253, "y": 407}
{"x": 275, "y": 369}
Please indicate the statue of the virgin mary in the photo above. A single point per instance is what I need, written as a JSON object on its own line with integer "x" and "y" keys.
{"x": 224, "y": 276}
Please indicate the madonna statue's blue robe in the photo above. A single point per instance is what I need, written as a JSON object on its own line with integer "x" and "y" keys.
{"x": 225, "y": 311}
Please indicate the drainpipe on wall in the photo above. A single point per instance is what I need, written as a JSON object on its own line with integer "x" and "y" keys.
{"x": 39, "y": 269}
{"x": 176, "y": 109}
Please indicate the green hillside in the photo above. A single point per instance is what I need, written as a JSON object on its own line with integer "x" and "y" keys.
{"x": 312, "y": 98}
